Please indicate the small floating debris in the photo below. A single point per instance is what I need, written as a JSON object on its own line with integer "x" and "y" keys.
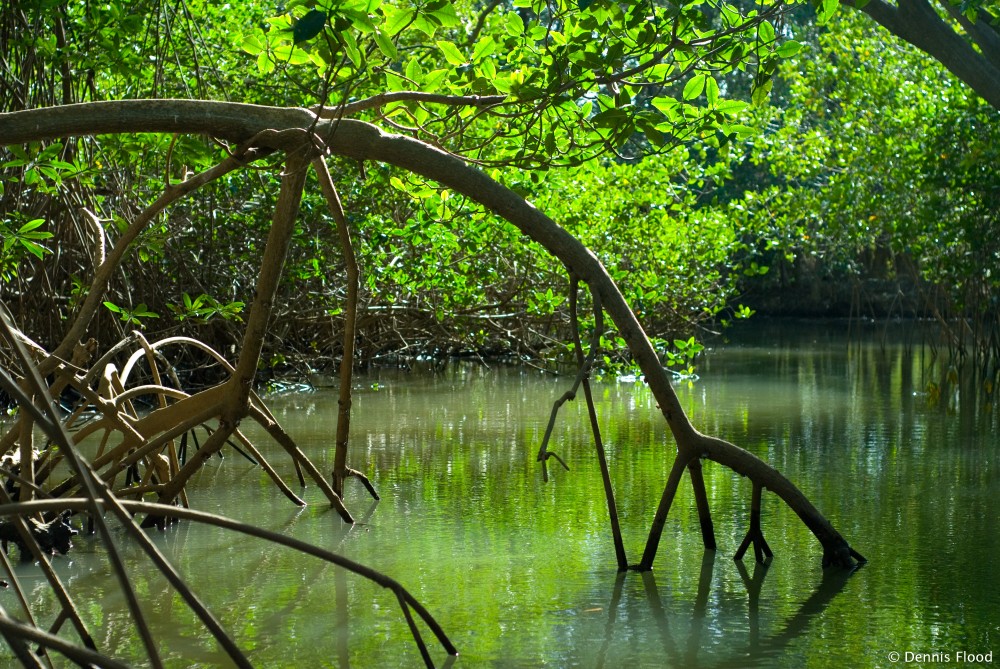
{"x": 284, "y": 388}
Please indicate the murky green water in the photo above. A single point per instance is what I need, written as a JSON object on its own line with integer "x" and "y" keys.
{"x": 522, "y": 573}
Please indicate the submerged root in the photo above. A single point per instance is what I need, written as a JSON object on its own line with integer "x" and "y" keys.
{"x": 139, "y": 444}
{"x": 692, "y": 447}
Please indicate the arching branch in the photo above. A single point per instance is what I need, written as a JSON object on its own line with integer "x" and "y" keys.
{"x": 363, "y": 141}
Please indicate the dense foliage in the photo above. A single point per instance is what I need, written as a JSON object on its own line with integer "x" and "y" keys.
{"x": 522, "y": 87}
{"x": 878, "y": 171}
{"x": 872, "y": 170}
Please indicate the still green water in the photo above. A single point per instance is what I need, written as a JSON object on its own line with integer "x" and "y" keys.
{"x": 521, "y": 573}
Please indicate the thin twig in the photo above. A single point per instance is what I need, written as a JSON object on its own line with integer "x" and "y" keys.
{"x": 595, "y": 427}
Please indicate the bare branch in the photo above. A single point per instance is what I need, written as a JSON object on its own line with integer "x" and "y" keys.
{"x": 376, "y": 101}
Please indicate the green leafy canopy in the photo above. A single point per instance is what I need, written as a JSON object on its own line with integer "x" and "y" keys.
{"x": 529, "y": 83}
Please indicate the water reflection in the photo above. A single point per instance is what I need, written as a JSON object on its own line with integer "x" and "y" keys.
{"x": 522, "y": 573}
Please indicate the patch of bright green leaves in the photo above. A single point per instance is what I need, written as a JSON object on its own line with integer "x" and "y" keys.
{"x": 577, "y": 78}
{"x": 135, "y": 316}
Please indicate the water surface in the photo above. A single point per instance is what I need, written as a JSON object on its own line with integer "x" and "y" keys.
{"x": 522, "y": 573}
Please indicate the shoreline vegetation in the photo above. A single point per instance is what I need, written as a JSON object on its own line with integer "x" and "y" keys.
{"x": 195, "y": 201}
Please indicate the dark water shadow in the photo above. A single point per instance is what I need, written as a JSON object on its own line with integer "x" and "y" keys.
{"x": 758, "y": 650}
{"x": 341, "y": 626}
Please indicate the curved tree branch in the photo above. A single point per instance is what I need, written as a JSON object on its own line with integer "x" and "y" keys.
{"x": 363, "y": 141}
{"x": 917, "y": 22}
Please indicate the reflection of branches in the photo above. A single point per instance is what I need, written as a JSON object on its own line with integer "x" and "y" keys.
{"x": 753, "y": 584}
{"x": 832, "y": 582}
{"x": 408, "y": 603}
{"x": 616, "y": 596}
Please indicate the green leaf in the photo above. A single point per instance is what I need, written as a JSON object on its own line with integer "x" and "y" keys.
{"x": 761, "y": 93}
{"x": 452, "y": 54}
{"x": 694, "y": 87}
{"x": 143, "y": 311}
{"x": 413, "y": 70}
{"x": 385, "y": 44}
{"x": 445, "y": 13}
{"x": 766, "y": 32}
{"x": 394, "y": 82}
{"x": 433, "y": 79}
{"x": 426, "y": 23}
{"x": 788, "y": 49}
{"x": 264, "y": 63}
{"x": 351, "y": 47}
{"x": 359, "y": 20}
{"x": 711, "y": 89}
{"x": 252, "y": 45}
{"x": 826, "y": 10}
{"x": 31, "y": 225}
{"x": 513, "y": 24}
{"x": 308, "y": 26}
{"x": 731, "y": 107}
{"x": 396, "y": 19}
{"x": 287, "y": 53}
{"x": 484, "y": 47}
{"x": 33, "y": 248}
{"x": 666, "y": 105}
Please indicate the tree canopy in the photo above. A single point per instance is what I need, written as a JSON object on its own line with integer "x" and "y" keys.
{"x": 440, "y": 178}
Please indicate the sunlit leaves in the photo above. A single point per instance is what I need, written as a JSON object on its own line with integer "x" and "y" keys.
{"x": 513, "y": 24}
{"x": 553, "y": 61}
{"x": 788, "y": 49}
{"x": 766, "y": 32}
{"x": 385, "y": 44}
{"x": 484, "y": 47}
{"x": 825, "y": 9}
{"x": 731, "y": 107}
{"x": 396, "y": 19}
{"x": 711, "y": 90}
{"x": 694, "y": 87}
{"x": 762, "y": 92}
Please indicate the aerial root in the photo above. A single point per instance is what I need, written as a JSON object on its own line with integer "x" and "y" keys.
{"x": 701, "y": 502}
{"x": 755, "y": 535}
{"x": 581, "y": 376}
{"x": 364, "y": 481}
{"x": 545, "y": 467}
{"x": 341, "y": 472}
{"x": 842, "y": 555}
